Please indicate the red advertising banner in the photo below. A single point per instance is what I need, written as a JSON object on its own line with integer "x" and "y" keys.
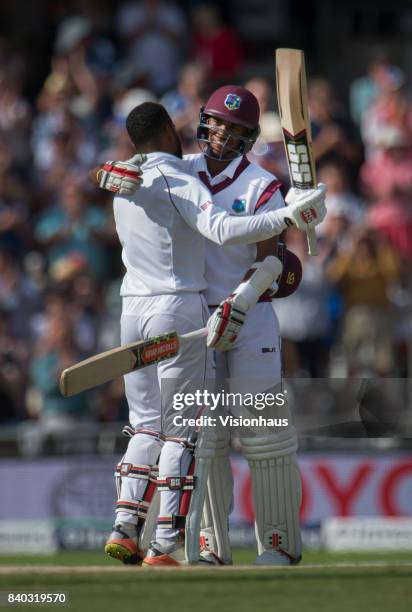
{"x": 333, "y": 485}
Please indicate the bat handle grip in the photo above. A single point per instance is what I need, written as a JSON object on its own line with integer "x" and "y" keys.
{"x": 310, "y": 234}
{"x": 312, "y": 244}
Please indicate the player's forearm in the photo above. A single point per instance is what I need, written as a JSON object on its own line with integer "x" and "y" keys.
{"x": 227, "y": 230}
{"x": 264, "y": 249}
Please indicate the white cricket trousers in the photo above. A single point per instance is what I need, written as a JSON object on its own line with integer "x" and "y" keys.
{"x": 150, "y": 392}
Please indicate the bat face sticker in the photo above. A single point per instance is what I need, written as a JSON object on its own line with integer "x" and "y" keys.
{"x": 232, "y": 101}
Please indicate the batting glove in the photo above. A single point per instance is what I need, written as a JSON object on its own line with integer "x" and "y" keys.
{"x": 122, "y": 177}
{"x": 225, "y": 324}
{"x": 306, "y": 208}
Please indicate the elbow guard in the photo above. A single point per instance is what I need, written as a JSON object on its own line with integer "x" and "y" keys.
{"x": 291, "y": 274}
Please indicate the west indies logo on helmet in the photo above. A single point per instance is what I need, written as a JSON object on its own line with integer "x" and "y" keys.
{"x": 236, "y": 106}
{"x": 232, "y": 101}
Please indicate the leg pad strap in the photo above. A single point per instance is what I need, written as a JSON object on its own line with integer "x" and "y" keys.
{"x": 173, "y": 521}
{"x": 176, "y": 483}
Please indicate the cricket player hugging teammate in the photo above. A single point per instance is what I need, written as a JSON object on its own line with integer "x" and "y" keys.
{"x": 198, "y": 248}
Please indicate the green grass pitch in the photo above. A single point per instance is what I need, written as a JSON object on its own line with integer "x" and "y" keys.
{"x": 323, "y": 582}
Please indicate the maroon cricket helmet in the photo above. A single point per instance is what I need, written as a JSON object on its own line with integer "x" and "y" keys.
{"x": 291, "y": 274}
{"x": 236, "y": 105}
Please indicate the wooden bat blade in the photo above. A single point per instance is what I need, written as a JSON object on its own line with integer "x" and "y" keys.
{"x": 116, "y": 362}
{"x": 294, "y": 119}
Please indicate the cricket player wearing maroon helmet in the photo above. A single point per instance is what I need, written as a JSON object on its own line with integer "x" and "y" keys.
{"x": 240, "y": 109}
{"x": 228, "y": 129}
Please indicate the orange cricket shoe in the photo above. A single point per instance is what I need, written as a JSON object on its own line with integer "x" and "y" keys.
{"x": 122, "y": 545}
{"x": 161, "y": 555}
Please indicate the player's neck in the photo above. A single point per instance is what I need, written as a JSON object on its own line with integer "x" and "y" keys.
{"x": 216, "y": 166}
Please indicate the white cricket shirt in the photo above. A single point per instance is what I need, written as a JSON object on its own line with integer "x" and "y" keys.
{"x": 243, "y": 188}
{"x": 159, "y": 229}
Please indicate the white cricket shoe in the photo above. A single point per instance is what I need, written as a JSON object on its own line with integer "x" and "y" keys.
{"x": 208, "y": 557}
{"x": 275, "y": 557}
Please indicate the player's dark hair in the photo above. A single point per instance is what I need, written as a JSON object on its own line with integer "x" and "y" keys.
{"x": 146, "y": 122}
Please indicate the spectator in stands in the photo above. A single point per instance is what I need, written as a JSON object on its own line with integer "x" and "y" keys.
{"x": 64, "y": 149}
{"x": 82, "y": 294}
{"x": 127, "y": 100}
{"x": 366, "y": 275}
{"x": 85, "y": 299}
{"x": 304, "y": 317}
{"x": 85, "y": 30}
{"x": 53, "y": 414}
{"x": 111, "y": 404}
{"x": 215, "y": 45}
{"x": 90, "y": 60}
{"x": 74, "y": 233}
{"x": 14, "y": 213}
{"x": 118, "y": 145}
{"x": 183, "y": 104}
{"x": 387, "y": 182}
{"x": 52, "y": 111}
{"x": 381, "y": 76}
{"x": 15, "y": 116}
{"x": 389, "y": 173}
{"x": 392, "y": 108}
{"x": 345, "y": 209}
{"x": 109, "y": 329}
{"x": 153, "y": 34}
{"x": 14, "y": 355}
{"x": 72, "y": 105}
{"x": 335, "y": 136}
{"x": 18, "y": 296}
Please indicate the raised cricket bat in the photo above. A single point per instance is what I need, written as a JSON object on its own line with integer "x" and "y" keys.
{"x": 294, "y": 119}
{"x": 121, "y": 360}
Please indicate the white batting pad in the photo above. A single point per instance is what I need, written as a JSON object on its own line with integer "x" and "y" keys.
{"x": 277, "y": 496}
{"x": 214, "y": 533}
{"x": 204, "y": 452}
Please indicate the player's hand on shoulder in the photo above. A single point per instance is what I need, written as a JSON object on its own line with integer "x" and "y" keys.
{"x": 122, "y": 177}
{"x": 225, "y": 324}
{"x": 306, "y": 208}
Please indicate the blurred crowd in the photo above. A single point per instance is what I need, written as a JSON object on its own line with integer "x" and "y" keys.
{"x": 60, "y": 267}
